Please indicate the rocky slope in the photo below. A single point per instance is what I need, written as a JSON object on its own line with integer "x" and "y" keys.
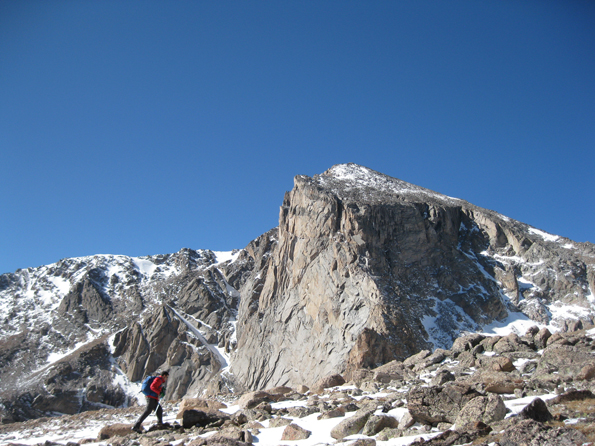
{"x": 363, "y": 270}
{"x": 532, "y": 389}
{"x": 77, "y": 333}
{"x": 366, "y": 269}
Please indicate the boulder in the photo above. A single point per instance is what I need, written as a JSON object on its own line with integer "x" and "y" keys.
{"x": 231, "y": 433}
{"x": 442, "y": 377}
{"x": 113, "y": 430}
{"x": 485, "y": 409}
{"x": 253, "y": 399}
{"x": 536, "y": 410}
{"x": 388, "y": 433}
{"x": 328, "y": 382}
{"x": 300, "y": 412}
{"x": 455, "y": 437}
{"x": 437, "y": 404}
{"x": 566, "y": 360}
{"x": 511, "y": 343}
{"x": 378, "y": 422}
{"x": 363, "y": 442}
{"x": 199, "y": 404}
{"x": 416, "y": 359}
{"x": 222, "y": 441}
{"x": 466, "y": 343}
{"x": 497, "y": 363}
{"x": 279, "y": 390}
{"x": 351, "y": 425}
{"x": 586, "y": 373}
{"x": 332, "y": 413}
{"x": 406, "y": 421}
{"x": 571, "y": 395}
{"x": 192, "y": 417}
{"x": 279, "y": 422}
{"x": 293, "y": 432}
{"x": 541, "y": 337}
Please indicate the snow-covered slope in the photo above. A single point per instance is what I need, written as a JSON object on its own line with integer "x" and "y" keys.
{"x": 57, "y": 315}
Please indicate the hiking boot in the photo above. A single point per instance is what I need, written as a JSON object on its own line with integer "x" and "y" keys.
{"x": 137, "y": 429}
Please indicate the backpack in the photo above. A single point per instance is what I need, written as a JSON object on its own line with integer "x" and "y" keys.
{"x": 146, "y": 385}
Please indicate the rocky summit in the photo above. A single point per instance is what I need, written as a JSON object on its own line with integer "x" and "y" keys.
{"x": 362, "y": 271}
{"x": 365, "y": 269}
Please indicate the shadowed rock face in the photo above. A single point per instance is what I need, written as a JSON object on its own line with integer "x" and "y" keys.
{"x": 366, "y": 269}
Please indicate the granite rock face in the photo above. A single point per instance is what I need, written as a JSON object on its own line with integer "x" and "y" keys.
{"x": 365, "y": 269}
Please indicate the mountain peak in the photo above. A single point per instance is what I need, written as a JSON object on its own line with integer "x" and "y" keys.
{"x": 352, "y": 182}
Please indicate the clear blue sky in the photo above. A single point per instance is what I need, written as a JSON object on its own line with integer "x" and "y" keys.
{"x": 142, "y": 127}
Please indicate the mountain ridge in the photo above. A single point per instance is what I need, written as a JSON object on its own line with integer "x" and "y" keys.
{"x": 362, "y": 269}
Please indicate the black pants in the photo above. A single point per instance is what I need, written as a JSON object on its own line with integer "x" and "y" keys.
{"x": 152, "y": 404}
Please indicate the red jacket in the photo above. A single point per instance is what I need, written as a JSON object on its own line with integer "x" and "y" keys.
{"x": 157, "y": 386}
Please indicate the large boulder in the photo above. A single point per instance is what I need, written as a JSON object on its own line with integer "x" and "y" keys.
{"x": 485, "y": 409}
{"x": 351, "y": 425}
{"x": 378, "y": 422}
{"x": 192, "y": 417}
{"x": 439, "y": 404}
{"x": 199, "y": 404}
{"x": 327, "y": 382}
{"x": 253, "y": 399}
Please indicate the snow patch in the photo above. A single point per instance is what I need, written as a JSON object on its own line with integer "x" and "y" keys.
{"x": 144, "y": 266}
{"x": 516, "y": 322}
{"x": 544, "y": 235}
{"x": 57, "y": 356}
{"x": 561, "y": 310}
{"x": 225, "y": 256}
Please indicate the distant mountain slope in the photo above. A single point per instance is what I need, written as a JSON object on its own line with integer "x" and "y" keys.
{"x": 363, "y": 269}
{"x": 76, "y": 334}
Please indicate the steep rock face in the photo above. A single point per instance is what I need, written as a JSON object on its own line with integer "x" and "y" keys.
{"x": 366, "y": 269}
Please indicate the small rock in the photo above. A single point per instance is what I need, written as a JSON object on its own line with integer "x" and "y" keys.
{"x": 294, "y": 432}
{"x": 279, "y": 422}
{"x": 363, "y": 442}
{"x": 406, "y": 421}
{"x": 333, "y": 413}
{"x": 587, "y": 372}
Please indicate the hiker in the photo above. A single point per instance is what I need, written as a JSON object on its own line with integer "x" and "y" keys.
{"x": 152, "y": 392}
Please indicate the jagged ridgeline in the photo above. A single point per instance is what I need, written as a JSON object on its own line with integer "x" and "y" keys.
{"x": 363, "y": 269}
